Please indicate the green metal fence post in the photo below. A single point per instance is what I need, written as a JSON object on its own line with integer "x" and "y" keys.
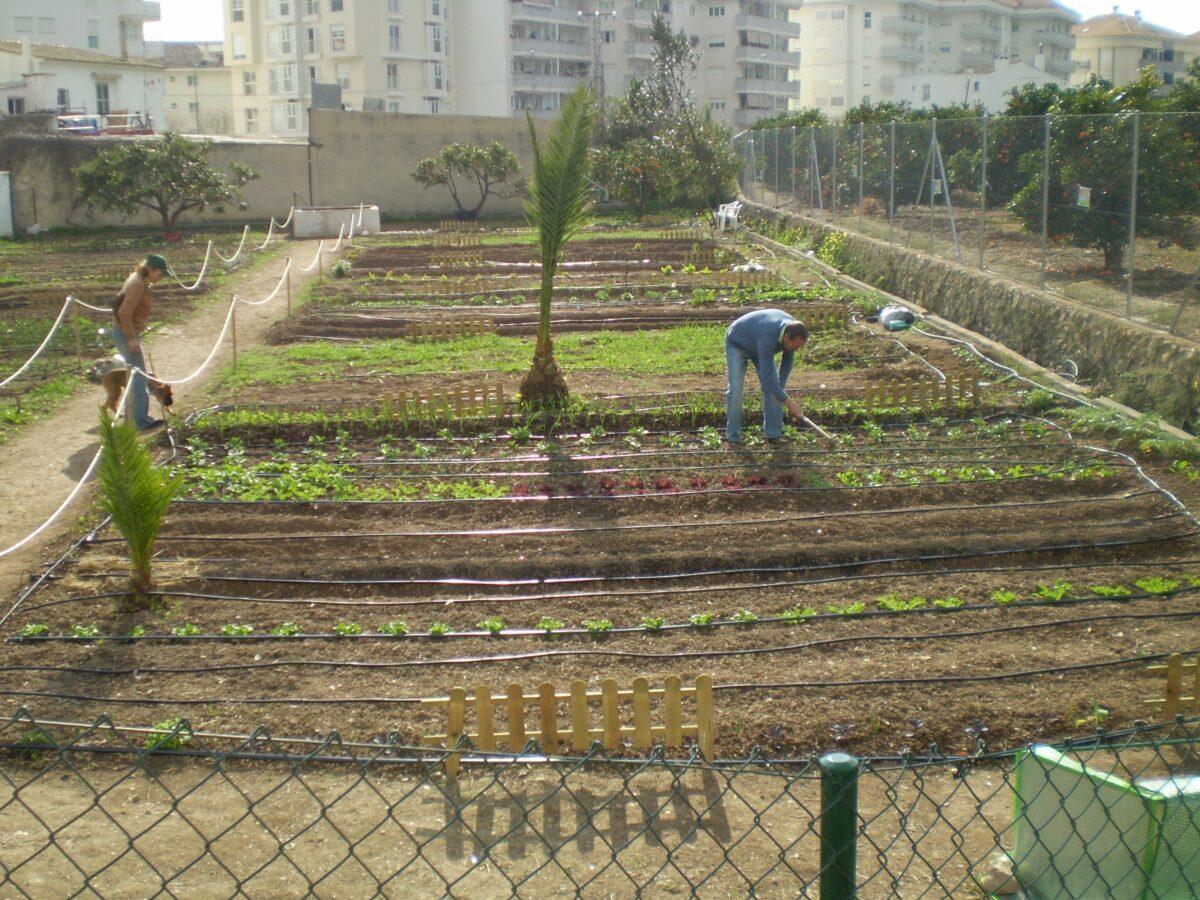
{"x": 839, "y": 825}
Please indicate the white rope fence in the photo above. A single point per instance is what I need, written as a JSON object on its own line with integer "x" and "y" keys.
{"x": 62, "y": 313}
{"x": 203, "y": 269}
{"x": 238, "y": 252}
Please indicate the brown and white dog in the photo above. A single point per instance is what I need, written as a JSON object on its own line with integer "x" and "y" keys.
{"x": 113, "y": 375}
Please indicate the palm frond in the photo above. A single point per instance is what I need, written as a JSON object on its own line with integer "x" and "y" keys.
{"x": 134, "y": 493}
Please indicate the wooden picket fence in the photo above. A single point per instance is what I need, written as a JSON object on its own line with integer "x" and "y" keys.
{"x": 446, "y": 328}
{"x": 824, "y": 317}
{"x": 451, "y": 258}
{"x": 458, "y": 239}
{"x": 925, "y": 393}
{"x": 1174, "y": 701}
{"x": 449, "y": 404}
{"x": 682, "y": 234}
{"x": 580, "y": 731}
{"x": 702, "y": 256}
{"x": 457, "y": 225}
{"x": 744, "y": 279}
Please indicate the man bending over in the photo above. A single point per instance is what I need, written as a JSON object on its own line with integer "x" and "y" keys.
{"x": 758, "y": 337}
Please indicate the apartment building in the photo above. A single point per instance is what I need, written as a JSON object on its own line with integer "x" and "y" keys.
{"x": 385, "y": 55}
{"x": 81, "y": 57}
{"x": 747, "y": 62}
{"x": 855, "y": 51}
{"x": 198, "y": 95}
{"x": 1117, "y": 46}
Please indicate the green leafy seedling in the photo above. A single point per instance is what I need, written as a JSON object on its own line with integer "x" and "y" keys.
{"x": 1156, "y": 584}
{"x": 137, "y": 631}
{"x": 1054, "y": 592}
{"x": 84, "y": 631}
{"x": 598, "y": 626}
{"x": 187, "y": 629}
{"x": 896, "y": 603}
{"x": 395, "y": 629}
{"x": 850, "y": 609}
{"x": 286, "y": 629}
{"x": 1110, "y": 590}
{"x": 744, "y": 617}
{"x": 35, "y": 629}
{"x": 798, "y": 614}
{"x": 235, "y": 629}
{"x": 701, "y": 620}
{"x": 439, "y": 629}
{"x": 165, "y": 736}
{"x": 653, "y": 623}
{"x": 492, "y": 625}
{"x": 1004, "y": 597}
{"x": 549, "y": 625}
{"x": 948, "y": 603}
{"x": 347, "y": 629}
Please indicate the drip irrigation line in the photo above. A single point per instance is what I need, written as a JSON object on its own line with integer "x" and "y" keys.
{"x": 48, "y": 573}
{"x": 745, "y": 686}
{"x": 503, "y": 599}
{"x": 563, "y": 653}
{"x": 658, "y": 526}
{"x": 725, "y": 624}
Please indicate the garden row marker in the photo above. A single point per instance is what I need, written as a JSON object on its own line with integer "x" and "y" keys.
{"x": 457, "y": 258}
{"x": 741, "y": 279}
{"x": 924, "y": 393}
{"x": 457, "y": 225}
{"x": 1173, "y": 700}
{"x": 459, "y": 403}
{"x": 442, "y": 328}
{"x": 580, "y": 733}
{"x": 824, "y": 317}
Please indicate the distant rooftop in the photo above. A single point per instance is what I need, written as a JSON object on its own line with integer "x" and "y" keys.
{"x": 1119, "y": 24}
{"x": 185, "y": 54}
{"x": 63, "y": 53}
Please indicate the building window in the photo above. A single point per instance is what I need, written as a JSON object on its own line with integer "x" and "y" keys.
{"x": 24, "y": 24}
{"x": 193, "y": 107}
{"x": 238, "y": 46}
{"x": 716, "y": 43}
{"x": 343, "y": 76}
{"x": 312, "y": 40}
{"x": 1016, "y": 26}
{"x": 249, "y": 84}
{"x": 16, "y": 106}
{"x": 286, "y": 118}
{"x": 393, "y": 106}
{"x": 435, "y": 39}
{"x": 251, "y": 120}
{"x": 837, "y": 101}
{"x": 393, "y": 77}
{"x": 394, "y": 38}
{"x": 926, "y": 92}
{"x": 394, "y": 7}
{"x": 337, "y": 37}
{"x": 433, "y": 105}
{"x": 102, "y": 106}
{"x": 314, "y": 75}
{"x": 716, "y": 10}
{"x": 716, "y": 104}
{"x": 237, "y": 12}
{"x": 93, "y": 34}
{"x": 312, "y": 7}
{"x": 866, "y": 99}
{"x": 191, "y": 81}
{"x": 436, "y": 77}
{"x": 45, "y": 26}
{"x": 837, "y": 15}
{"x": 64, "y": 100}
{"x": 283, "y": 9}
{"x": 336, "y": 5}
{"x": 867, "y": 19}
{"x": 435, "y": 9}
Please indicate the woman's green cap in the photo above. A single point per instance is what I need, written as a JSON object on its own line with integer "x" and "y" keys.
{"x": 155, "y": 261}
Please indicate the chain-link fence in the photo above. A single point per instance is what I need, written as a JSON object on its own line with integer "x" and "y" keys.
{"x": 1102, "y": 209}
{"x": 98, "y": 810}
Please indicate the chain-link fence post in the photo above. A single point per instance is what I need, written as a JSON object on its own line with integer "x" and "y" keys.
{"x": 1133, "y": 190}
{"x": 839, "y": 826}
{"x": 792, "y": 156}
{"x": 1045, "y": 197}
{"x": 933, "y": 180}
{"x": 892, "y": 179}
{"x": 812, "y": 166}
{"x": 833, "y": 181}
{"x": 983, "y": 185}
{"x": 775, "y": 183}
{"x": 861, "y": 169}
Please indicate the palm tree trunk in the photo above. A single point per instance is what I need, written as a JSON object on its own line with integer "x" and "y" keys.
{"x": 544, "y": 385}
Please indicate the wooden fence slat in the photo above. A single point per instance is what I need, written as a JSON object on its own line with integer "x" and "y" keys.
{"x": 1195, "y": 704}
{"x": 484, "y": 718}
{"x": 641, "y": 714}
{"x": 548, "y": 707}
{"x": 1174, "y": 686}
{"x": 611, "y": 714}
{"x": 705, "y": 735}
{"x": 516, "y": 718}
{"x": 454, "y": 728}
{"x": 673, "y": 713}
{"x": 579, "y": 716}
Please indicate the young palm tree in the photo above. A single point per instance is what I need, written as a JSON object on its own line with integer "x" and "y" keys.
{"x": 557, "y": 206}
{"x": 135, "y": 494}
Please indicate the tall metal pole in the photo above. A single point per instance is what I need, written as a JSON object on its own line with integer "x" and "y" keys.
{"x": 983, "y": 197}
{"x": 1045, "y": 195}
{"x": 932, "y": 178}
{"x": 812, "y": 165}
{"x": 833, "y": 179}
{"x": 792, "y": 157}
{"x": 892, "y": 181}
{"x": 1133, "y": 192}
{"x": 860, "y": 167}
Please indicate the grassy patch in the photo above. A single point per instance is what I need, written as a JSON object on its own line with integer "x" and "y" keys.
{"x": 35, "y": 403}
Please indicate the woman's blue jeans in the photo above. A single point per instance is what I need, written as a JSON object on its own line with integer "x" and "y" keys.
{"x": 139, "y": 389}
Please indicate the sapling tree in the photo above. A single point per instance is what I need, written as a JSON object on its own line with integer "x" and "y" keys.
{"x": 136, "y": 495}
{"x": 472, "y": 174}
{"x": 169, "y": 176}
{"x": 557, "y": 207}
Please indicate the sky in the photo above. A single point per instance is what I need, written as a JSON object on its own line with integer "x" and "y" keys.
{"x": 200, "y": 20}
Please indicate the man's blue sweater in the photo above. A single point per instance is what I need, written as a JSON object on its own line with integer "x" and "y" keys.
{"x": 758, "y": 334}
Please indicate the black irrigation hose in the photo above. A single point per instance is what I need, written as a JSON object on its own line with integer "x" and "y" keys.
{"x": 773, "y": 686}
{"x": 49, "y": 571}
{"x": 577, "y": 652}
{"x": 645, "y": 592}
{"x": 661, "y": 526}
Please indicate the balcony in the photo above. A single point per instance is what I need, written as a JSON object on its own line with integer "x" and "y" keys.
{"x": 902, "y": 54}
{"x": 977, "y": 58}
{"x": 561, "y": 49}
{"x": 749, "y": 54}
{"x": 639, "y": 49}
{"x": 767, "y": 86}
{"x": 897, "y": 25}
{"x": 522, "y": 81}
{"x": 771, "y": 26}
{"x": 138, "y": 9}
{"x": 536, "y": 12}
{"x": 1054, "y": 39}
{"x": 1063, "y": 67}
{"x": 747, "y": 117}
{"x": 981, "y": 31}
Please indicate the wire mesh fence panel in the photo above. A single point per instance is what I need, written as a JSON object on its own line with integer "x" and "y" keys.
{"x": 97, "y": 810}
{"x": 912, "y": 185}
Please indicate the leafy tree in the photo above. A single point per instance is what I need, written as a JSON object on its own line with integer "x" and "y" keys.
{"x": 639, "y": 172}
{"x": 802, "y": 118}
{"x": 170, "y": 176}
{"x": 135, "y": 494}
{"x": 559, "y": 194}
{"x": 491, "y": 170}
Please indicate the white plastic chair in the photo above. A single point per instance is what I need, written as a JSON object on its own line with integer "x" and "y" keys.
{"x": 727, "y": 214}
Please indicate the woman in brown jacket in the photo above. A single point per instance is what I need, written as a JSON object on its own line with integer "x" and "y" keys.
{"x": 132, "y": 314}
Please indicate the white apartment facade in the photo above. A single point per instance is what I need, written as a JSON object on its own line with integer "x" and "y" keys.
{"x": 198, "y": 98}
{"x": 855, "y": 51}
{"x": 78, "y": 57}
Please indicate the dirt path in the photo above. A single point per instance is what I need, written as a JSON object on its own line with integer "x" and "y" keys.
{"x": 39, "y": 467}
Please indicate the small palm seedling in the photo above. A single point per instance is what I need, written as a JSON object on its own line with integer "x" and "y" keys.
{"x": 557, "y": 207}
{"x": 493, "y": 625}
{"x": 35, "y": 629}
{"x": 395, "y": 629}
{"x": 1156, "y": 584}
{"x": 286, "y": 629}
{"x": 186, "y": 630}
{"x": 549, "y": 625}
{"x": 236, "y": 629}
{"x": 439, "y": 629}
{"x": 653, "y": 623}
{"x": 347, "y": 629}
{"x": 597, "y": 627}
{"x": 135, "y": 495}
{"x": 170, "y": 734}
{"x": 744, "y": 617}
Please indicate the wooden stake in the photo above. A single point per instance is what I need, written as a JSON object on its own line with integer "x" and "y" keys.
{"x": 516, "y": 718}
{"x": 454, "y": 728}
{"x": 580, "y": 732}
{"x": 611, "y": 714}
{"x": 78, "y": 340}
{"x": 549, "y": 718}
{"x": 289, "y": 292}
{"x": 233, "y": 331}
{"x": 484, "y": 719}
{"x": 705, "y": 734}
{"x": 1174, "y": 690}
